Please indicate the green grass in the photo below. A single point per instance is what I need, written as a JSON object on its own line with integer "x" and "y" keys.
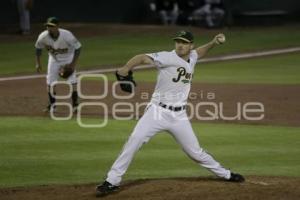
{"x": 37, "y": 151}
{"x": 279, "y": 69}
{"x": 18, "y": 57}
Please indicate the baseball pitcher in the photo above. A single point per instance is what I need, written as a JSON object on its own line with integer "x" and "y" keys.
{"x": 167, "y": 109}
{"x": 64, "y": 50}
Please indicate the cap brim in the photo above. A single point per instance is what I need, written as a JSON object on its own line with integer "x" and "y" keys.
{"x": 50, "y": 24}
{"x": 183, "y": 39}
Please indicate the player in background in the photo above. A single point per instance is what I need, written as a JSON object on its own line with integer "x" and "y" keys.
{"x": 63, "y": 49}
{"x": 167, "y": 109}
{"x": 24, "y": 8}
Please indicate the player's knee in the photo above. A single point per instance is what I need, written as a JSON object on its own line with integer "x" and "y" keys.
{"x": 196, "y": 153}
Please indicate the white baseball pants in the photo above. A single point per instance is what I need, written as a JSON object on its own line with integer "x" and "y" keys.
{"x": 53, "y": 72}
{"x": 177, "y": 124}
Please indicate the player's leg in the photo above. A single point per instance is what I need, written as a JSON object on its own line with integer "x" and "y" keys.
{"x": 146, "y": 128}
{"x": 24, "y": 16}
{"x": 183, "y": 133}
{"x": 143, "y": 131}
{"x": 174, "y": 16}
{"x": 74, "y": 97}
{"x": 52, "y": 100}
{"x": 209, "y": 18}
{"x": 26, "y": 21}
{"x": 52, "y": 76}
{"x": 73, "y": 80}
{"x": 164, "y": 17}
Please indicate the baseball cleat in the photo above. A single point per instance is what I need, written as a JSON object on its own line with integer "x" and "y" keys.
{"x": 105, "y": 189}
{"x": 236, "y": 178}
{"x": 49, "y": 109}
{"x": 75, "y": 109}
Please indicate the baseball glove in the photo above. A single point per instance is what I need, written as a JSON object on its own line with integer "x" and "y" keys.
{"x": 65, "y": 71}
{"x": 126, "y": 82}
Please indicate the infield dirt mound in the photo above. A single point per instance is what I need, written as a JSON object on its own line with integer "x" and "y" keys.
{"x": 265, "y": 188}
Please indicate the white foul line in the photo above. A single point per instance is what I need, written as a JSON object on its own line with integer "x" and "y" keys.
{"x": 205, "y": 60}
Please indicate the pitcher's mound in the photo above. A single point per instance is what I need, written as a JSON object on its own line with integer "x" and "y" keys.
{"x": 177, "y": 188}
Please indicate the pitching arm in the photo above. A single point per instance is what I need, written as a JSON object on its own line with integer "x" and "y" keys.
{"x": 203, "y": 50}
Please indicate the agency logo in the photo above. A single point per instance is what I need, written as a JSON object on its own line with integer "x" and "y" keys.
{"x": 204, "y": 109}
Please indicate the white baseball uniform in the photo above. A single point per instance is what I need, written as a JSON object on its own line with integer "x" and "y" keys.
{"x": 167, "y": 112}
{"x": 61, "y": 52}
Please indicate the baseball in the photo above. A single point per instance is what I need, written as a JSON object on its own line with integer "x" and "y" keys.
{"x": 221, "y": 39}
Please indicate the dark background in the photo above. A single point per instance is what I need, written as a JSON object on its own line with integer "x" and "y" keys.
{"x": 137, "y": 11}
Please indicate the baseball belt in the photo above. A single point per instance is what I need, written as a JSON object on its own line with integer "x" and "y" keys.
{"x": 172, "y": 108}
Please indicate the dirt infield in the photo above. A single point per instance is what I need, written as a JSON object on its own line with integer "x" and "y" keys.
{"x": 281, "y": 102}
{"x": 267, "y": 188}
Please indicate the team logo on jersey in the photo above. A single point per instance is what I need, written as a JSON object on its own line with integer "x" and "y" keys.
{"x": 183, "y": 76}
{"x": 56, "y": 51}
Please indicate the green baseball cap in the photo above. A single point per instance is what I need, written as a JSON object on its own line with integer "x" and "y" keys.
{"x": 52, "y": 21}
{"x": 184, "y": 36}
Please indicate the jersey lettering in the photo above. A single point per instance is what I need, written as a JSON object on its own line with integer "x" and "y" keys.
{"x": 56, "y": 51}
{"x": 182, "y": 73}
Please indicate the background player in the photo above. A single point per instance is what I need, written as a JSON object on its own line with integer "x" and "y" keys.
{"x": 24, "y": 8}
{"x": 63, "y": 48}
{"x": 167, "y": 109}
